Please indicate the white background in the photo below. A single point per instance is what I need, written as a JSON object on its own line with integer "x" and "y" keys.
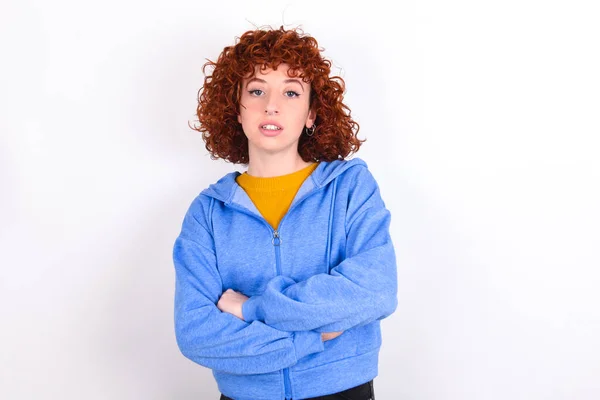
{"x": 482, "y": 126}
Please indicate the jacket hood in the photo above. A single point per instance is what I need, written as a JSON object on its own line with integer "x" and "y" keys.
{"x": 225, "y": 188}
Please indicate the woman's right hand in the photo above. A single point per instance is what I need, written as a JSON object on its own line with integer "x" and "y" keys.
{"x": 325, "y": 336}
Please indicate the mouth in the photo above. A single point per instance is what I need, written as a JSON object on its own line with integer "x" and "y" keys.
{"x": 271, "y": 126}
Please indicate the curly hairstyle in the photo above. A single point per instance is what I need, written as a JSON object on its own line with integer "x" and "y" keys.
{"x": 335, "y": 136}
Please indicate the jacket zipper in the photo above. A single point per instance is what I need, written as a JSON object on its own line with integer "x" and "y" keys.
{"x": 287, "y": 384}
{"x": 276, "y": 243}
{"x": 286, "y": 373}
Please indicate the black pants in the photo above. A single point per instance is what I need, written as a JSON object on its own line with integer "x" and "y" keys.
{"x": 360, "y": 392}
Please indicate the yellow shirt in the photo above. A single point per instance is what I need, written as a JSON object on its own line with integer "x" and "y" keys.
{"x": 273, "y": 196}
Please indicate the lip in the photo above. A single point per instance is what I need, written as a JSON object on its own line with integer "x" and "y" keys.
{"x": 268, "y": 132}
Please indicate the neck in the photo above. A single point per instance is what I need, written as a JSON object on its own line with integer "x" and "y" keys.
{"x": 270, "y": 165}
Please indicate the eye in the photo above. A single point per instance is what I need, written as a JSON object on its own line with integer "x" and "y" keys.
{"x": 255, "y": 92}
{"x": 291, "y": 93}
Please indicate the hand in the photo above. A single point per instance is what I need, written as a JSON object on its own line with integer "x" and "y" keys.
{"x": 231, "y": 302}
{"x": 325, "y": 336}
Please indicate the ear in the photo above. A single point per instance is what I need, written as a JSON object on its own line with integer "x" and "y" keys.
{"x": 311, "y": 118}
{"x": 239, "y": 118}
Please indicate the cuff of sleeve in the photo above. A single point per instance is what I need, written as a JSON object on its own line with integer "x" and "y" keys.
{"x": 251, "y": 310}
{"x": 307, "y": 342}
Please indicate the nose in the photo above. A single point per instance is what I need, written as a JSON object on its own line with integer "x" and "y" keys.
{"x": 271, "y": 108}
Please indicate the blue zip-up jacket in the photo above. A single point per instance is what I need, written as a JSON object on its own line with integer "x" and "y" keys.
{"x": 330, "y": 266}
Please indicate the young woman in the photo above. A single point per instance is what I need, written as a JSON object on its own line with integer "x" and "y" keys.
{"x": 284, "y": 272}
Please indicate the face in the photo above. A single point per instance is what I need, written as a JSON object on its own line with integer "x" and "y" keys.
{"x": 274, "y": 109}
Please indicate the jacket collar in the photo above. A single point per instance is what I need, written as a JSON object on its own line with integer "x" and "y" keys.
{"x": 228, "y": 191}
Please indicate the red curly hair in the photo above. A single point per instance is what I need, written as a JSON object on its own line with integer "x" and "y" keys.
{"x": 335, "y": 136}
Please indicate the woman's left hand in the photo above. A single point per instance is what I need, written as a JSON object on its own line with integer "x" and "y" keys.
{"x": 231, "y": 302}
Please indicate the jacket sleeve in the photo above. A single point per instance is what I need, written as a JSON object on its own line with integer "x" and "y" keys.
{"x": 360, "y": 289}
{"x": 215, "y": 339}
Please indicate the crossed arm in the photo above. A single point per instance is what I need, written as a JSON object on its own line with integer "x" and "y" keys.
{"x": 232, "y": 302}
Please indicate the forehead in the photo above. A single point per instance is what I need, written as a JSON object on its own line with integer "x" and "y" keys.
{"x": 283, "y": 72}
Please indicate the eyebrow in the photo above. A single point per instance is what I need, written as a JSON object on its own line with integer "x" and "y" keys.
{"x": 285, "y": 81}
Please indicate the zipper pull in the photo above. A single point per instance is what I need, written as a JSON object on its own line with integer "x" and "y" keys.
{"x": 276, "y": 236}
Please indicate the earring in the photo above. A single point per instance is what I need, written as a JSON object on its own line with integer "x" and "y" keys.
{"x": 310, "y": 131}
